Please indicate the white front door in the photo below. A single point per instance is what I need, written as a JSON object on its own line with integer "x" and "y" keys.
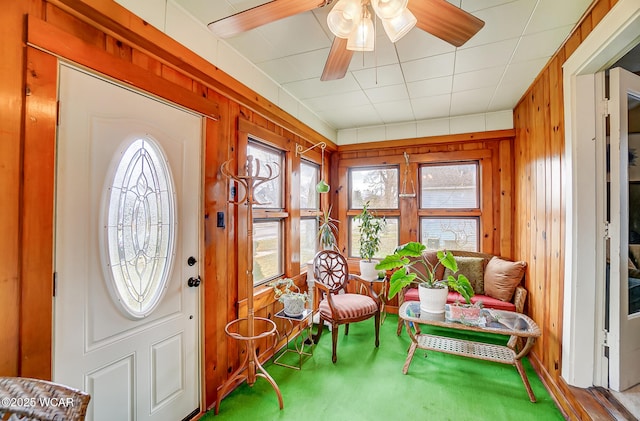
{"x": 128, "y": 185}
{"x": 624, "y": 318}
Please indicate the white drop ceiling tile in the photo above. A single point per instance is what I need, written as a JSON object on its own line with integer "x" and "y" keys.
{"x": 540, "y": 44}
{"x": 383, "y": 55}
{"x": 428, "y": 68}
{"x": 477, "y": 79}
{"x": 387, "y": 94}
{"x": 475, "y": 5}
{"x": 499, "y": 120}
{"x": 371, "y": 134}
{"x": 431, "y": 107}
{"x": 504, "y": 21}
{"x": 379, "y": 76}
{"x": 263, "y": 84}
{"x": 202, "y": 10}
{"x": 297, "y": 67}
{"x": 507, "y": 96}
{"x": 551, "y": 14}
{"x": 468, "y": 124}
{"x": 340, "y": 101}
{"x": 254, "y": 46}
{"x": 469, "y": 102}
{"x": 394, "y": 111}
{"x": 240, "y": 5}
{"x": 231, "y": 62}
{"x": 402, "y": 130}
{"x": 317, "y": 123}
{"x": 284, "y": 34}
{"x": 435, "y": 127}
{"x": 314, "y": 87}
{"x": 485, "y": 56}
{"x": 361, "y": 116}
{"x": 523, "y": 72}
{"x": 151, "y": 11}
{"x": 418, "y": 44}
{"x": 430, "y": 87}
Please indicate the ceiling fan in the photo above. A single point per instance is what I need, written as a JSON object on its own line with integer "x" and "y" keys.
{"x": 437, "y": 17}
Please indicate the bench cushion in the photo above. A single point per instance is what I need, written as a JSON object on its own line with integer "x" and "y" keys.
{"x": 488, "y": 302}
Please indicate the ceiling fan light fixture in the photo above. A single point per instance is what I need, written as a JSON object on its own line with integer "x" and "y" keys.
{"x": 386, "y": 9}
{"x": 344, "y": 17}
{"x": 400, "y": 25}
{"x": 362, "y": 38}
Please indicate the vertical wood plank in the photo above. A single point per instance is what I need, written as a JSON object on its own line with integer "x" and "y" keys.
{"x": 37, "y": 227}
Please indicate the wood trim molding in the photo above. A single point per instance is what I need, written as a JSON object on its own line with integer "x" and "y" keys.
{"x": 432, "y": 140}
{"x": 60, "y": 43}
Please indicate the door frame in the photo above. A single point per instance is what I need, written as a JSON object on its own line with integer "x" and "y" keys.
{"x": 613, "y": 37}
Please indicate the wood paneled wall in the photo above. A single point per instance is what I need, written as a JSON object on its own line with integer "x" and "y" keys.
{"x": 102, "y": 36}
{"x": 539, "y": 216}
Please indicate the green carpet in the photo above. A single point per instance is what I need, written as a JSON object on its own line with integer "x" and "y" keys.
{"x": 367, "y": 383}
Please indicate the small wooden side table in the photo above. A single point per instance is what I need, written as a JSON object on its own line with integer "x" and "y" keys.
{"x": 300, "y": 339}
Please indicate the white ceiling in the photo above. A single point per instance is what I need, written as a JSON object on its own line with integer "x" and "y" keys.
{"x": 418, "y": 78}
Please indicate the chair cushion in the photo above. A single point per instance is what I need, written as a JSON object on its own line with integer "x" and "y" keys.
{"x": 472, "y": 268}
{"x": 348, "y": 306}
{"x": 487, "y": 302}
{"x": 502, "y": 277}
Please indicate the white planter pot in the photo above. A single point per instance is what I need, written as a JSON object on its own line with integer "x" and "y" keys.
{"x": 368, "y": 269}
{"x": 293, "y": 306}
{"x": 432, "y": 300}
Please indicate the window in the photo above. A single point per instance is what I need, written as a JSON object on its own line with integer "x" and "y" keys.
{"x": 447, "y": 188}
{"x": 268, "y": 215}
{"x": 389, "y": 238}
{"x": 379, "y": 187}
{"x": 309, "y": 208}
{"x": 139, "y": 227}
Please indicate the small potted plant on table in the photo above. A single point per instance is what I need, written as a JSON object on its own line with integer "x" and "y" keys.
{"x": 413, "y": 268}
{"x": 288, "y": 293}
{"x": 370, "y": 229}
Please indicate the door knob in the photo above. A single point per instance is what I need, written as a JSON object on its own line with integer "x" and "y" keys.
{"x": 194, "y": 282}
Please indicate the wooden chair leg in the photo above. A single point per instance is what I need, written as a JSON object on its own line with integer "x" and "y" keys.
{"x": 316, "y": 337}
{"x": 346, "y": 329}
{"x": 334, "y": 338}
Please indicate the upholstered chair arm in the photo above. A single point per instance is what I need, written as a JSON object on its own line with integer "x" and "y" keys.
{"x": 519, "y": 297}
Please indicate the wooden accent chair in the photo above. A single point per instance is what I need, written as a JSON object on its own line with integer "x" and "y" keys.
{"x": 337, "y": 306}
{"x": 23, "y": 398}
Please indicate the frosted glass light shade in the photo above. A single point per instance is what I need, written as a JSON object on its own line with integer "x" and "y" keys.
{"x": 363, "y": 37}
{"x": 386, "y": 9}
{"x": 344, "y": 17}
{"x": 398, "y": 27}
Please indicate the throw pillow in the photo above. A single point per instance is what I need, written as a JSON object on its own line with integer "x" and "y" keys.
{"x": 502, "y": 277}
{"x": 473, "y": 269}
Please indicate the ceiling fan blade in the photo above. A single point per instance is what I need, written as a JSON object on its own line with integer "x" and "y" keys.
{"x": 338, "y": 60}
{"x": 261, "y": 15}
{"x": 445, "y": 21}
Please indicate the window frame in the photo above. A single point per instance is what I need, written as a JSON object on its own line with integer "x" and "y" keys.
{"x": 455, "y": 213}
{"x": 389, "y": 213}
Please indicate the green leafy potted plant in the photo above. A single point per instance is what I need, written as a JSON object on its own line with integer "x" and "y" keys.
{"x": 370, "y": 229}
{"x": 288, "y": 293}
{"x": 413, "y": 268}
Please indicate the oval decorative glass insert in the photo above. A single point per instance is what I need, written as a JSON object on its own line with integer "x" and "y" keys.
{"x": 140, "y": 227}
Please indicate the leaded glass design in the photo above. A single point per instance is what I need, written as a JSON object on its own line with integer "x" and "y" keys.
{"x": 140, "y": 227}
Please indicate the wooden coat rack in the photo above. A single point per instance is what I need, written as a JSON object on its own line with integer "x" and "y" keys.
{"x": 250, "y": 329}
